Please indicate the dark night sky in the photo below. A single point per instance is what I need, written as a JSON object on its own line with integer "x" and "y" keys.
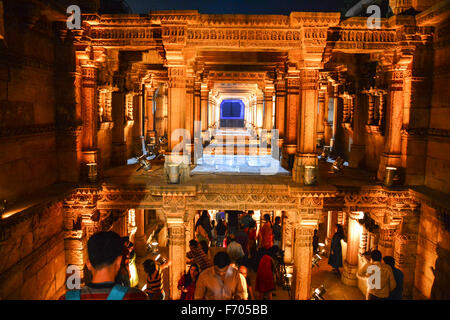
{"x": 240, "y": 6}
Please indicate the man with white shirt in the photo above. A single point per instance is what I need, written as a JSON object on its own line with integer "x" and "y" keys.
{"x": 380, "y": 279}
{"x": 220, "y": 282}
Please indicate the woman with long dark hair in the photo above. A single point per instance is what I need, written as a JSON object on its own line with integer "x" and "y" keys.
{"x": 203, "y": 227}
{"x": 187, "y": 283}
{"x": 335, "y": 259}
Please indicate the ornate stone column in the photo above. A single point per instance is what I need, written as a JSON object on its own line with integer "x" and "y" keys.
{"x": 288, "y": 236}
{"x": 119, "y": 147}
{"x": 386, "y": 242}
{"x": 89, "y": 114}
{"x": 306, "y": 141}
{"x": 254, "y": 112}
{"x": 405, "y": 247}
{"x": 140, "y": 233}
{"x": 335, "y": 116}
{"x": 371, "y": 109}
{"x": 177, "y": 250}
{"x": 161, "y": 111}
{"x": 149, "y": 112}
{"x": 176, "y": 124}
{"x": 204, "y": 106}
{"x": 197, "y": 118}
{"x": 189, "y": 113}
{"x": 280, "y": 108}
{"x": 331, "y": 225}
{"x": 357, "y": 152}
{"x": 321, "y": 113}
{"x": 137, "y": 124}
{"x": 394, "y": 120}
{"x": 328, "y": 130}
{"x": 268, "y": 108}
{"x": 259, "y": 112}
{"x": 351, "y": 262}
{"x": 303, "y": 252}
{"x": 292, "y": 113}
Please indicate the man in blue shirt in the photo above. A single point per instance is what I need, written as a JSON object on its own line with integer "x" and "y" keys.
{"x": 397, "y": 293}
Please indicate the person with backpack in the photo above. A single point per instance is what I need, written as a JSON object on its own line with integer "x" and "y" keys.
{"x": 104, "y": 260}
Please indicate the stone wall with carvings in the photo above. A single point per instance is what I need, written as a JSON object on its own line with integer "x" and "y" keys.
{"x": 433, "y": 254}
{"x": 438, "y": 153}
{"x": 36, "y": 96}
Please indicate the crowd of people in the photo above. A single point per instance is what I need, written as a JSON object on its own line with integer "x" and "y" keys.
{"x": 111, "y": 260}
{"x": 242, "y": 249}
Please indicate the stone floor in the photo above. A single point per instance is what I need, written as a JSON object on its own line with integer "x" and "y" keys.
{"x": 353, "y": 178}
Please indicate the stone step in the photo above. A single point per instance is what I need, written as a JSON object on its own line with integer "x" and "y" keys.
{"x": 237, "y": 150}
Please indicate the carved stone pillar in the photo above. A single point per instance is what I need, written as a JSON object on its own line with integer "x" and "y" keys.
{"x": 386, "y": 242}
{"x": 254, "y": 113}
{"x": 331, "y": 226}
{"x": 89, "y": 105}
{"x": 161, "y": 111}
{"x": 303, "y": 253}
{"x": 280, "y": 109}
{"x": 394, "y": 120}
{"x": 371, "y": 109}
{"x": 149, "y": 112}
{"x": 306, "y": 140}
{"x": 89, "y": 114}
{"x": 292, "y": 113}
{"x": 327, "y": 126}
{"x": 321, "y": 113}
{"x": 288, "y": 237}
{"x": 189, "y": 113}
{"x": 140, "y": 233}
{"x": 178, "y": 142}
{"x": 336, "y": 99}
{"x": 259, "y": 111}
{"x": 363, "y": 247}
{"x": 197, "y": 125}
{"x": 204, "y": 106}
{"x": 353, "y": 242}
{"x": 357, "y": 152}
{"x": 268, "y": 109}
{"x": 405, "y": 248}
{"x": 177, "y": 251}
{"x": 119, "y": 147}
{"x": 137, "y": 125}
{"x": 176, "y": 104}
